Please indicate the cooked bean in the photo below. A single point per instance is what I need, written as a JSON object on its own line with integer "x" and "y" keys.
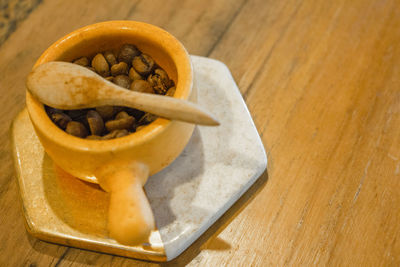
{"x": 100, "y": 64}
{"x": 95, "y": 121}
{"x": 134, "y": 75}
{"x": 106, "y": 112}
{"x": 140, "y": 127}
{"x": 143, "y": 64}
{"x": 83, "y": 61}
{"x": 119, "y": 124}
{"x": 61, "y": 119}
{"x": 115, "y": 134}
{"x": 163, "y": 77}
{"x": 141, "y": 86}
{"x": 94, "y": 137}
{"x": 119, "y": 68}
{"x": 157, "y": 85}
{"x": 147, "y": 118}
{"x": 127, "y": 53}
{"x": 160, "y": 81}
{"x": 122, "y": 80}
{"x": 77, "y": 129}
{"x": 110, "y": 58}
{"x": 171, "y": 91}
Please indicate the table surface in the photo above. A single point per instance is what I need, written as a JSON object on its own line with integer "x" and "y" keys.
{"x": 322, "y": 82}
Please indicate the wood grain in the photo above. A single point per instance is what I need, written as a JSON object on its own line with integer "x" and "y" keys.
{"x": 321, "y": 80}
{"x": 12, "y": 12}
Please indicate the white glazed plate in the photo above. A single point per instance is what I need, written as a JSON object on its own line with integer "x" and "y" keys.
{"x": 218, "y": 165}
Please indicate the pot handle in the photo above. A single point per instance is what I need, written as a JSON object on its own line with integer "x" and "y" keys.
{"x": 130, "y": 218}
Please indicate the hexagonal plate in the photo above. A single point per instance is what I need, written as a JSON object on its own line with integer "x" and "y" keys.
{"x": 218, "y": 165}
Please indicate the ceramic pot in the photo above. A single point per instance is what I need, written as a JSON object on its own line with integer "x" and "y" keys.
{"x": 121, "y": 166}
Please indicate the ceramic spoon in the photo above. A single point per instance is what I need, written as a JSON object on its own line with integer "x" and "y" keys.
{"x": 66, "y": 85}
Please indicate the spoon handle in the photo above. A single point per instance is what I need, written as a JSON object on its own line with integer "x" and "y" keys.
{"x": 167, "y": 107}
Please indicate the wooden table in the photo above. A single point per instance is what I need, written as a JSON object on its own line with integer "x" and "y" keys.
{"x": 322, "y": 82}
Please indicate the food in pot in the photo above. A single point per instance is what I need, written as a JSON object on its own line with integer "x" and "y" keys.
{"x": 128, "y": 68}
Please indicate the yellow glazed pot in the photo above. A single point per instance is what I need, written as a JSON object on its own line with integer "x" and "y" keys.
{"x": 121, "y": 166}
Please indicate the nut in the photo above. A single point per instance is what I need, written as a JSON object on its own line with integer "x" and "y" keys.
{"x": 171, "y": 91}
{"x": 127, "y": 53}
{"x": 115, "y": 134}
{"x": 110, "y": 58}
{"x": 134, "y": 75}
{"x": 141, "y": 86}
{"x": 121, "y": 115}
{"x": 143, "y": 64}
{"x": 147, "y": 118}
{"x": 61, "y": 119}
{"x": 122, "y": 80}
{"x": 164, "y": 77}
{"x": 95, "y": 121}
{"x": 77, "y": 129}
{"x": 106, "y": 112}
{"x": 83, "y": 61}
{"x": 160, "y": 81}
{"x": 119, "y": 68}
{"x": 119, "y": 124}
{"x": 100, "y": 64}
